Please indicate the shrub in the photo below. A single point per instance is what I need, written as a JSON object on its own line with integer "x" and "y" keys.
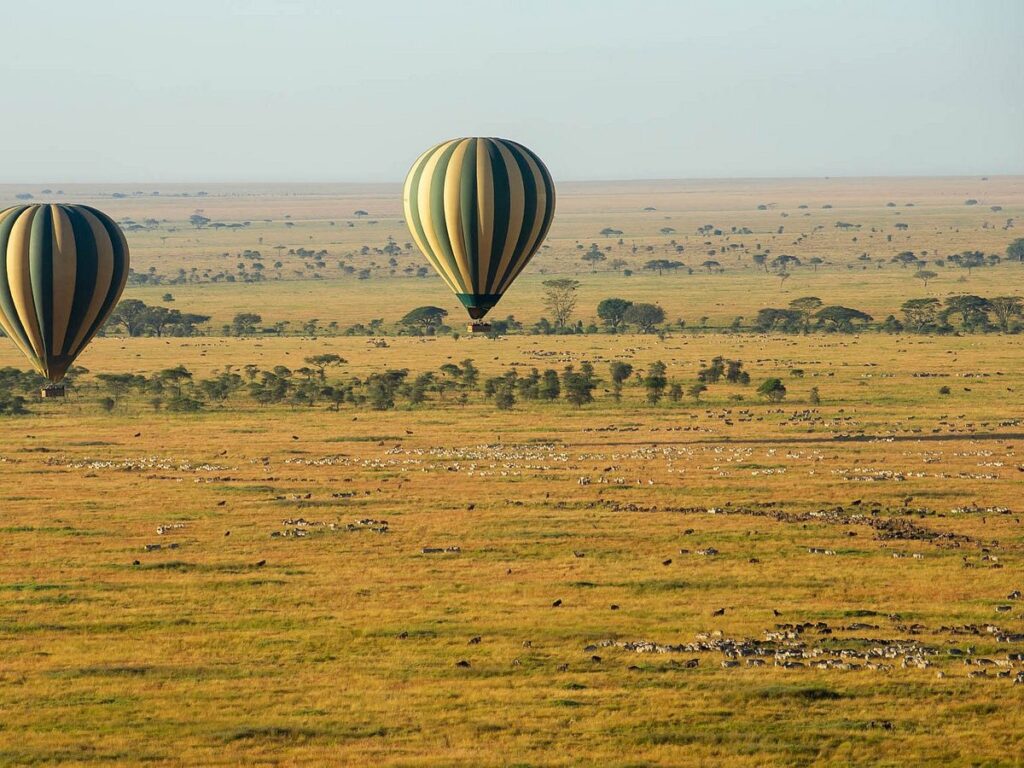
{"x": 12, "y": 405}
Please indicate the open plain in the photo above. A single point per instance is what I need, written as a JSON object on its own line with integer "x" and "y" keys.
{"x": 823, "y": 578}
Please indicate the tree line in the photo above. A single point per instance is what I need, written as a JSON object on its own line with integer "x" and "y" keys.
{"x": 317, "y": 383}
{"x": 962, "y": 313}
{"x": 965, "y": 313}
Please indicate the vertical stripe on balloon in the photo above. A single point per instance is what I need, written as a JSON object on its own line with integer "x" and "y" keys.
{"x": 8, "y": 312}
{"x": 64, "y": 270}
{"x": 484, "y": 213}
{"x": 20, "y": 280}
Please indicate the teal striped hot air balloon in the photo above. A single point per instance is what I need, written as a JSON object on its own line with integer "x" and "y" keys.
{"x": 62, "y": 270}
{"x": 479, "y": 209}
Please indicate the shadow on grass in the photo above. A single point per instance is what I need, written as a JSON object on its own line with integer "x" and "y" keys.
{"x": 271, "y": 733}
{"x": 181, "y": 566}
{"x": 807, "y": 693}
{"x": 286, "y": 734}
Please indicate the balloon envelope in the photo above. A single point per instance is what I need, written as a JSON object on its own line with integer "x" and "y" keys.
{"x": 479, "y": 209}
{"x": 62, "y": 270}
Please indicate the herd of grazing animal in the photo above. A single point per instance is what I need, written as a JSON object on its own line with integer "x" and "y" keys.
{"x": 790, "y": 645}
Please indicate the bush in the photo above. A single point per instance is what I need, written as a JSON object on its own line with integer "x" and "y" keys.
{"x": 550, "y": 387}
{"x": 504, "y": 399}
{"x": 182, "y": 404}
{"x": 655, "y": 382}
{"x": 620, "y": 372}
{"x": 12, "y": 405}
{"x": 578, "y": 386}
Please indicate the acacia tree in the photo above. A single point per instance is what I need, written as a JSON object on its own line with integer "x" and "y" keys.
{"x": 560, "y": 299}
{"x": 644, "y": 316}
{"x": 806, "y": 306}
{"x": 594, "y": 256}
{"x": 159, "y": 318}
{"x": 1006, "y": 309}
{"x": 771, "y": 319}
{"x": 245, "y": 323}
{"x": 972, "y": 310}
{"x": 663, "y": 265}
{"x": 780, "y": 266}
{"x": 773, "y": 389}
{"x": 969, "y": 260}
{"x": 425, "y": 317}
{"x": 924, "y": 275}
{"x": 905, "y": 258}
{"x": 579, "y": 385}
{"x": 322, "y": 362}
{"x": 921, "y": 315}
{"x": 1015, "y": 250}
{"x": 132, "y": 314}
{"x": 612, "y": 311}
{"x": 620, "y": 372}
{"x": 842, "y": 318}
{"x": 655, "y": 382}
{"x": 549, "y": 386}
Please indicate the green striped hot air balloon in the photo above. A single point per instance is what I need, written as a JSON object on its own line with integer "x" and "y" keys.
{"x": 479, "y": 208}
{"x": 62, "y": 270}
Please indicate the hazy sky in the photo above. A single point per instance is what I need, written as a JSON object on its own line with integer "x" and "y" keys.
{"x": 309, "y": 90}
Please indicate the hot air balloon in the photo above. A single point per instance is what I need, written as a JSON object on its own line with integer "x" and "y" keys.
{"x": 62, "y": 270}
{"x": 478, "y": 209}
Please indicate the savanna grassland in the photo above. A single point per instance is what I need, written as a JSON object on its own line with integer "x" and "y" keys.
{"x": 721, "y": 579}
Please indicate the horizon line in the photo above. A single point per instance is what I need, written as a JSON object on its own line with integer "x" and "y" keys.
{"x": 633, "y": 180}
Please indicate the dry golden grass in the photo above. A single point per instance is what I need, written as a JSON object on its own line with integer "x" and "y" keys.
{"x": 342, "y": 648}
{"x": 301, "y": 217}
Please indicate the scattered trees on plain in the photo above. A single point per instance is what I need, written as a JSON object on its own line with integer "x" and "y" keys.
{"x": 138, "y": 319}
